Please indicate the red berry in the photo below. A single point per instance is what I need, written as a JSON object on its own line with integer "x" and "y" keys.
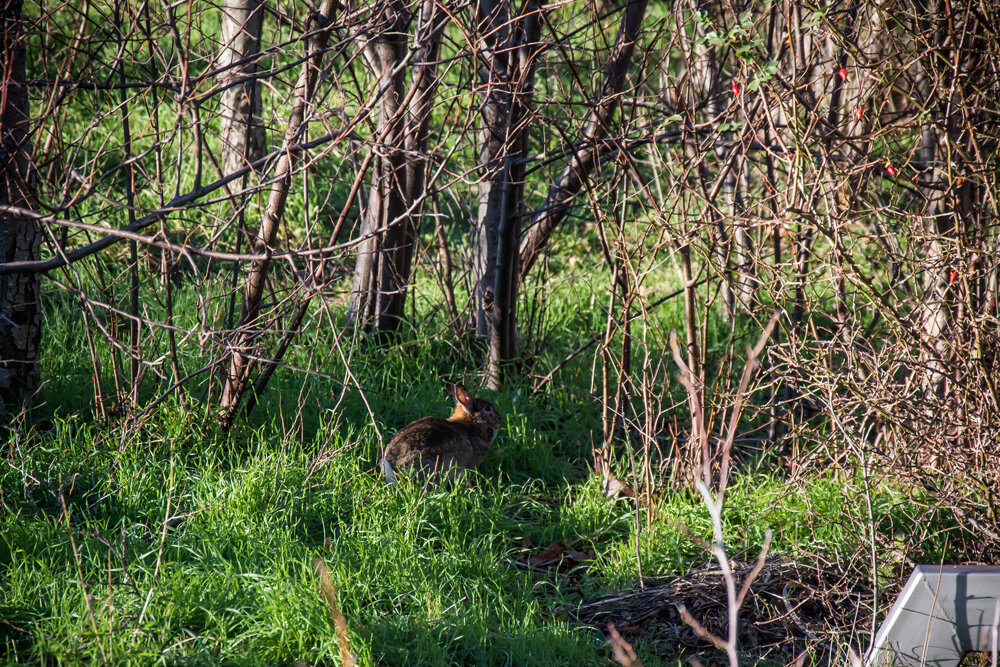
{"x": 843, "y": 74}
{"x": 859, "y": 114}
{"x": 736, "y": 88}
{"x": 890, "y": 169}
{"x": 952, "y": 276}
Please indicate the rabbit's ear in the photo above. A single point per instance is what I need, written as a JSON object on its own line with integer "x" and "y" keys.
{"x": 461, "y": 395}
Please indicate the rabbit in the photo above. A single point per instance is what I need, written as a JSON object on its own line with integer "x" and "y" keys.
{"x": 435, "y": 446}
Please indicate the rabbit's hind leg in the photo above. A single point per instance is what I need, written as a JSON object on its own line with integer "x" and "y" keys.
{"x": 388, "y": 474}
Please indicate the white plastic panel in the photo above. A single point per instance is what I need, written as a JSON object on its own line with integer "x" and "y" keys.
{"x": 941, "y": 614}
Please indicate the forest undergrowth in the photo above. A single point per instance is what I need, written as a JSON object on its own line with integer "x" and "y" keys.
{"x": 162, "y": 539}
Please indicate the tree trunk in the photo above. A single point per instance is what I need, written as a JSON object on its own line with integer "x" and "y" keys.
{"x": 382, "y": 271}
{"x": 494, "y": 43}
{"x": 240, "y": 364}
{"x": 20, "y": 237}
{"x": 240, "y": 126}
{"x": 503, "y": 321}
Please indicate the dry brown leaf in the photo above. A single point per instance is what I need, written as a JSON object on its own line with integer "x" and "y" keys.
{"x": 550, "y": 554}
{"x": 579, "y": 556}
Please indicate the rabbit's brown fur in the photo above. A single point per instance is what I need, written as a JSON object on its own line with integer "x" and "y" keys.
{"x": 433, "y": 445}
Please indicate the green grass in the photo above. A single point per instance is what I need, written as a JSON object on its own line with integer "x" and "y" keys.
{"x": 425, "y": 576}
{"x": 417, "y": 571}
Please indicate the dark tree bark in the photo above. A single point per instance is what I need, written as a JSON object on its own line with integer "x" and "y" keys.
{"x": 507, "y": 50}
{"x": 399, "y": 166}
{"x": 494, "y": 46}
{"x": 502, "y": 323}
{"x": 20, "y": 237}
{"x": 240, "y": 127}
